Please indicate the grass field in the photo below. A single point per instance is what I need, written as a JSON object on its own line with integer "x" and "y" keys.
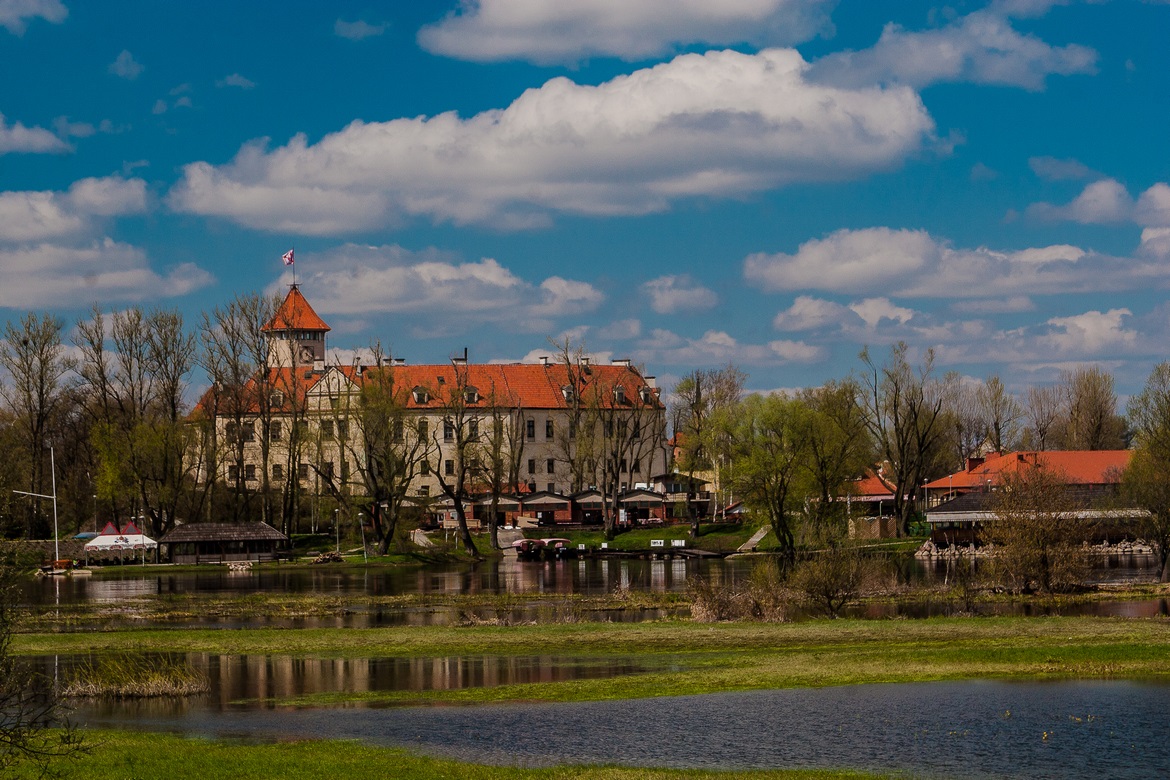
{"x": 690, "y": 658}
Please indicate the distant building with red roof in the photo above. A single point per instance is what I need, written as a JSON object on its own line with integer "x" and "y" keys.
{"x": 960, "y": 503}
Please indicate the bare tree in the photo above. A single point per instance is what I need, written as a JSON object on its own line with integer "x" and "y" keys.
{"x": 35, "y": 359}
{"x": 903, "y": 407}
{"x": 1002, "y": 415}
{"x": 1147, "y": 479}
{"x": 1042, "y": 411}
{"x": 1091, "y": 421}
{"x": 500, "y": 453}
{"x": 455, "y": 462}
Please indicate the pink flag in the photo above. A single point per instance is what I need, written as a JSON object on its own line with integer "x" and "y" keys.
{"x": 287, "y": 257}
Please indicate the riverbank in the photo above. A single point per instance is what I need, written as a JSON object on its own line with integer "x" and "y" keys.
{"x": 691, "y": 658}
{"x": 115, "y": 755}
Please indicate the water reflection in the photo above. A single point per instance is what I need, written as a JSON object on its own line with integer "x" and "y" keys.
{"x": 588, "y": 577}
{"x": 250, "y": 682}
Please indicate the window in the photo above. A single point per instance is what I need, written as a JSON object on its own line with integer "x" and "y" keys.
{"x": 609, "y": 429}
{"x": 277, "y": 472}
{"x": 334, "y": 403}
{"x": 233, "y": 472}
{"x": 448, "y": 430}
{"x": 327, "y": 429}
{"x": 637, "y": 465}
{"x": 423, "y": 429}
{"x": 619, "y": 395}
{"x": 647, "y": 395}
{"x": 532, "y": 465}
{"x": 552, "y": 488}
{"x": 622, "y": 465}
{"x": 275, "y": 399}
{"x": 473, "y": 430}
{"x": 302, "y": 429}
{"x": 425, "y": 467}
{"x": 530, "y": 429}
{"x": 302, "y": 471}
{"x": 572, "y": 429}
{"x": 344, "y": 470}
{"x": 471, "y": 395}
{"x": 275, "y": 431}
{"x": 343, "y": 429}
{"x": 548, "y": 428}
{"x": 474, "y": 465}
{"x": 397, "y": 434}
{"x": 250, "y": 472}
{"x": 249, "y": 431}
{"x": 327, "y": 469}
{"x": 424, "y": 490}
{"x": 420, "y": 395}
{"x": 567, "y": 392}
{"x": 449, "y": 468}
{"x": 551, "y": 466}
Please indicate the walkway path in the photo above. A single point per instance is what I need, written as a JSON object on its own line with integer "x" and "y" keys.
{"x": 750, "y": 544}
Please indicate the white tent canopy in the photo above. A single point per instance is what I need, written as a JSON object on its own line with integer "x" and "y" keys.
{"x": 113, "y": 540}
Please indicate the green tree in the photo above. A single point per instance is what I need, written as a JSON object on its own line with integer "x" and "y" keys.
{"x": 1037, "y": 532}
{"x": 768, "y": 440}
{"x": 1147, "y": 479}
{"x": 839, "y": 450}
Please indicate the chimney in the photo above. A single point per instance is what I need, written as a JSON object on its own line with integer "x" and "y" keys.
{"x": 460, "y": 361}
{"x": 652, "y": 382}
{"x": 544, "y": 360}
{"x": 399, "y": 361}
{"x": 625, "y": 362}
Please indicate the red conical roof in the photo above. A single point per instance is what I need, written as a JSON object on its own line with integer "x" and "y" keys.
{"x": 295, "y": 314}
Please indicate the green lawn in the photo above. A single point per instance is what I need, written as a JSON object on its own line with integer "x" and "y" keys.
{"x": 119, "y": 755}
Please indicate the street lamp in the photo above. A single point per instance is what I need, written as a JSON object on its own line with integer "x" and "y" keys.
{"x": 53, "y": 471}
{"x": 362, "y": 527}
{"x": 337, "y": 529}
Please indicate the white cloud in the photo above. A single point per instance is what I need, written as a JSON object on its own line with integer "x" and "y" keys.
{"x": 722, "y": 124}
{"x": 670, "y": 294}
{"x": 358, "y": 30}
{"x": 36, "y": 216}
{"x": 14, "y": 13}
{"x": 873, "y": 310}
{"x": 1108, "y": 201}
{"x": 1012, "y": 305}
{"x": 50, "y": 275}
{"x": 126, "y": 67}
{"x": 1056, "y": 169}
{"x": 550, "y": 31}
{"x": 18, "y": 138}
{"x": 716, "y": 347}
{"x": 1092, "y": 332}
{"x": 808, "y": 313}
{"x": 236, "y": 80}
{"x": 440, "y": 289}
{"x": 847, "y": 261}
{"x": 981, "y": 48}
{"x": 910, "y": 263}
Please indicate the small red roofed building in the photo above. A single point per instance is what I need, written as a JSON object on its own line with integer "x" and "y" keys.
{"x": 870, "y": 503}
{"x": 959, "y": 504}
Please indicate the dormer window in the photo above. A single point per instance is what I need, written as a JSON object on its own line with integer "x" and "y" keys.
{"x": 471, "y": 396}
{"x": 619, "y": 395}
{"x": 421, "y": 396}
{"x": 647, "y": 395}
{"x": 275, "y": 399}
{"x": 567, "y": 392}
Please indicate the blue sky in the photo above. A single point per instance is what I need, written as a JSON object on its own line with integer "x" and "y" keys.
{"x": 774, "y": 183}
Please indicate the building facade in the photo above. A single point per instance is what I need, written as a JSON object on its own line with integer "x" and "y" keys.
{"x": 429, "y": 433}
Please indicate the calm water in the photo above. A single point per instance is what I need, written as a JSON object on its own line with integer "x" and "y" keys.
{"x": 556, "y": 579}
{"x": 1091, "y": 730}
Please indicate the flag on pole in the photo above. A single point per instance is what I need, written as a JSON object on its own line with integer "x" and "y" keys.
{"x": 287, "y": 257}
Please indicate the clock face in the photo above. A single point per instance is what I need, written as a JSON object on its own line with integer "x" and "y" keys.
{"x": 306, "y": 354}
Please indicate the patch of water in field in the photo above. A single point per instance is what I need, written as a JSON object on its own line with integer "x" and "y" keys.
{"x": 1077, "y": 730}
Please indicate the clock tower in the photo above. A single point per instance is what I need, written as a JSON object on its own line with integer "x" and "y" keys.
{"x": 296, "y": 335}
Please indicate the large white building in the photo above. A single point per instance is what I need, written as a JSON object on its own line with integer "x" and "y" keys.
{"x": 554, "y": 428}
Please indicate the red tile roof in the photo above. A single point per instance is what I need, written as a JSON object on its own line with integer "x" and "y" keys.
{"x": 295, "y": 313}
{"x": 1088, "y": 467}
{"x": 871, "y": 486}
